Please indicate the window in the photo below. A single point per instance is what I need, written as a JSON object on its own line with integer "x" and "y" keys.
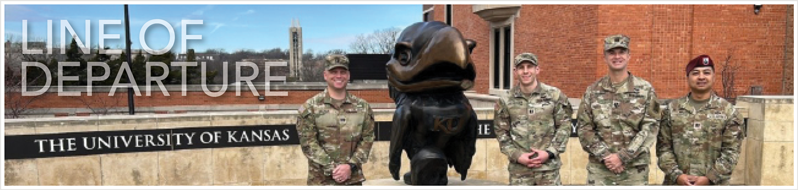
{"x": 428, "y": 13}
{"x": 507, "y": 56}
{"x": 449, "y": 15}
{"x": 501, "y": 59}
{"x": 428, "y": 16}
{"x": 496, "y": 60}
{"x": 425, "y": 17}
{"x": 500, "y": 35}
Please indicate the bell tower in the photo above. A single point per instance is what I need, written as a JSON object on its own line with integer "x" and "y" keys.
{"x": 295, "y": 50}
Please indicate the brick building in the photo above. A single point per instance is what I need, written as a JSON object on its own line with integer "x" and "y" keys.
{"x": 567, "y": 40}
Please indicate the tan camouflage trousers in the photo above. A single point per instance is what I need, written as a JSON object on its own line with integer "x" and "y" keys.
{"x": 551, "y": 177}
{"x": 330, "y": 181}
{"x": 598, "y": 174}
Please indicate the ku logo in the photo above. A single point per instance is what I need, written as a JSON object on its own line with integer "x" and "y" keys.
{"x": 447, "y": 125}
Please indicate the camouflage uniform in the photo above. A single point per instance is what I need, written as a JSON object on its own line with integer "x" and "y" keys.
{"x": 700, "y": 142}
{"x": 622, "y": 120}
{"x": 330, "y": 134}
{"x": 541, "y": 121}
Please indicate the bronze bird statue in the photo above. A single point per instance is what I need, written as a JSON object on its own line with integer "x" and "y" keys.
{"x": 434, "y": 122}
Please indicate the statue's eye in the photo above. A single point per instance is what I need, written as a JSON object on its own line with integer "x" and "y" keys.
{"x": 403, "y": 56}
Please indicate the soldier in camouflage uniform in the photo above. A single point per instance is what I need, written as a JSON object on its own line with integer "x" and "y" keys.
{"x": 336, "y": 130}
{"x": 532, "y": 123}
{"x": 700, "y": 137}
{"x": 618, "y": 121}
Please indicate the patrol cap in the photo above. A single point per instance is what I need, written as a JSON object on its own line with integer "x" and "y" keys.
{"x": 335, "y": 60}
{"x": 700, "y": 61}
{"x": 615, "y": 41}
{"x": 526, "y": 57}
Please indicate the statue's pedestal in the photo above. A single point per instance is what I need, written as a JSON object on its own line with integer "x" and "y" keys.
{"x": 452, "y": 182}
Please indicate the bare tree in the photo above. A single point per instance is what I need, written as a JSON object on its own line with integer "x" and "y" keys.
{"x": 385, "y": 40}
{"x": 312, "y": 70}
{"x": 275, "y": 53}
{"x": 216, "y": 51}
{"x": 361, "y": 44}
{"x": 728, "y": 72}
{"x": 334, "y": 51}
{"x": 17, "y": 105}
{"x": 15, "y": 51}
{"x": 379, "y": 42}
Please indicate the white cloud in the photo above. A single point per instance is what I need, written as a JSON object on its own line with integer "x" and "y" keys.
{"x": 216, "y": 26}
{"x": 247, "y": 12}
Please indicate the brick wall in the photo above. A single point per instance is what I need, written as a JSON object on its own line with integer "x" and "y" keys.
{"x": 757, "y": 42}
{"x": 560, "y": 35}
{"x": 789, "y": 52}
{"x": 568, "y": 42}
{"x": 439, "y": 13}
{"x": 634, "y": 21}
{"x": 473, "y": 27}
{"x": 670, "y": 51}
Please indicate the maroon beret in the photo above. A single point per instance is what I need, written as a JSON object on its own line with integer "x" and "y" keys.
{"x": 700, "y": 61}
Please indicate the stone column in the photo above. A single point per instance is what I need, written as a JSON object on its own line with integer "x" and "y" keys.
{"x": 767, "y": 155}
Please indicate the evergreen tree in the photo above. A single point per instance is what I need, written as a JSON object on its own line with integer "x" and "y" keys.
{"x": 74, "y": 54}
{"x": 139, "y": 69}
{"x": 99, "y": 71}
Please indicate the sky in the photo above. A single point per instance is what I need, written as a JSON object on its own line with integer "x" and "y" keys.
{"x": 228, "y": 27}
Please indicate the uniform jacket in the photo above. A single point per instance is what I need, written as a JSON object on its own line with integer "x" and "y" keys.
{"x": 332, "y": 135}
{"x": 541, "y": 121}
{"x": 623, "y": 120}
{"x": 700, "y": 142}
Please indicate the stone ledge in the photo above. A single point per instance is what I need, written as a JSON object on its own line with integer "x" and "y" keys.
{"x": 495, "y": 13}
{"x": 766, "y": 99}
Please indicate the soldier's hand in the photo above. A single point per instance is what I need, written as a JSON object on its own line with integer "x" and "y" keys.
{"x": 617, "y": 170}
{"x": 341, "y": 173}
{"x": 525, "y": 159}
{"x": 691, "y": 179}
{"x": 701, "y": 180}
{"x": 684, "y": 179}
{"x": 612, "y": 161}
{"x": 542, "y": 157}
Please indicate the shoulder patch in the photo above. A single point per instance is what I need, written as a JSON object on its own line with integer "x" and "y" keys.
{"x": 305, "y": 110}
